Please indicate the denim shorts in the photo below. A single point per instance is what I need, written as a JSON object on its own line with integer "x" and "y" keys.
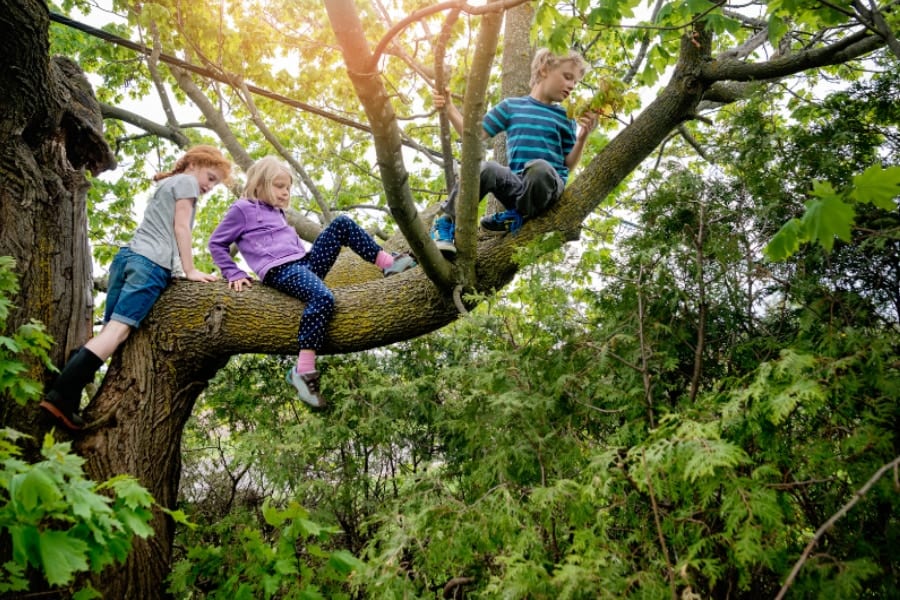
{"x": 135, "y": 283}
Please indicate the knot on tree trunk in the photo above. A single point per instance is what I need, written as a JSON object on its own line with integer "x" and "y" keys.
{"x": 80, "y": 119}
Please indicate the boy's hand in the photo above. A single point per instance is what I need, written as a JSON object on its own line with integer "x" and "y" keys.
{"x": 439, "y": 99}
{"x": 587, "y": 122}
{"x": 238, "y": 284}
{"x": 195, "y": 275}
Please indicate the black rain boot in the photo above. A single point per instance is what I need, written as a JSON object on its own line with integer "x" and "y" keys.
{"x": 64, "y": 398}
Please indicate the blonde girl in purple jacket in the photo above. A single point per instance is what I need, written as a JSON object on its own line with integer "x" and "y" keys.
{"x": 273, "y": 250}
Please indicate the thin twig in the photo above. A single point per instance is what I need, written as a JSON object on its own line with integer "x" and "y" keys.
{"x": 659, "y": 531}
{"x": 857, "y": 496}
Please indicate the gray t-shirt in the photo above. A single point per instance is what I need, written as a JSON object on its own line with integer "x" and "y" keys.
{"x": 155, "y": 236}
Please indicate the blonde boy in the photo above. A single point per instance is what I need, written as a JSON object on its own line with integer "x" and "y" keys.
{"x": 543, "y": 145}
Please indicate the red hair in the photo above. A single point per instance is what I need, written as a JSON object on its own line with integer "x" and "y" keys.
{"x": 200, "y": 156}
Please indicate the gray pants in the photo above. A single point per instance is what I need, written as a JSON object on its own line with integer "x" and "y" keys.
{"x": 531, "y": 193}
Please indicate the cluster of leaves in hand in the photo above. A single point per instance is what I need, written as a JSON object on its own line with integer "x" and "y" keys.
{"x": 610, "y": 97}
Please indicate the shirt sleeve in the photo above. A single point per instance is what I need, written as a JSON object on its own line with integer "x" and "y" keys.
{"x": 227, "y": 232}
{"x": 185, "y": 187}
{"x": 496, "y": 119}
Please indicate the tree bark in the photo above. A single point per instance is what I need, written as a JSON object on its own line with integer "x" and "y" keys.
{"x": 50, "y": 131}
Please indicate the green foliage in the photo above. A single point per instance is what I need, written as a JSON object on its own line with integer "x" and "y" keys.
{"x": 831, "y": 214}
{"x": 581, "y": 436}
{"x": 650, "y": 408}
{"x": 28, "y": 339}
{"x": 284, "y": 558}
{"x": 61, "y": 524}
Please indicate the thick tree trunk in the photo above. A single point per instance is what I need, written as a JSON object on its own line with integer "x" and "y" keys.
{"x": 50, "y": 131}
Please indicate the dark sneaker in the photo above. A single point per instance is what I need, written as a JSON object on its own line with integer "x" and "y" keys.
{"x": 442, "y": 232}
{"x": 63, "y": 411}
{"x": 307, "y": 385}
{"x": 508, "y": 220}
{"x": 403, "y": 261}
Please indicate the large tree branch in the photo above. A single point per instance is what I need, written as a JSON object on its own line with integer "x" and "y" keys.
{"x": 731, "y": 69}
{"x": 387, "y": 140}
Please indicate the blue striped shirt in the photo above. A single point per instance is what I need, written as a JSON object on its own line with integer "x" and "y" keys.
{"x": 533, "y": 130}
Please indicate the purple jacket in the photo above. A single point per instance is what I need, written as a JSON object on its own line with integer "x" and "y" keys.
{"x": 263, "y": 237}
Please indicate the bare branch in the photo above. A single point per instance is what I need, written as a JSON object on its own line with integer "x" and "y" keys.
{"x": 151, "y": 127}
{"x": 823, "y": 529}
{"x": 152, "y": 65}
{"x": 440, "y": 84}
{"x": 213, "y": 117}
{"x": 642, "y": 51}
{"x": 659, "y": 532}
{"x": 498, "y": 6}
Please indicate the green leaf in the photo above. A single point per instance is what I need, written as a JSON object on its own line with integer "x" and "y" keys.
{"x": 86, "y": 593}
{"x": 827, "y": 219}
{"x": 776, "y": 29}
{"x": 786, "y": 242}
{"x": 129, "y": 491}
{"x": 136, "y": 521}
{"x": 344, "y": 562}
{"x": 179, "y": 517}
{"x": 877, "y": 186}
{"x": 37, "y": 487}
{"x": 62, "y": 556}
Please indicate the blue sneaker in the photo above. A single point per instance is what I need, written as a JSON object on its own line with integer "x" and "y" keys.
{"x": 307, "y": 385}
{"x": 442, "y": 231}
{"x": 508, "y": 220}
{"x": 403, "y": 261}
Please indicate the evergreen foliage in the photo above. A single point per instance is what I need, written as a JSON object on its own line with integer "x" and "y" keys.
{"x": 582, "y": 436}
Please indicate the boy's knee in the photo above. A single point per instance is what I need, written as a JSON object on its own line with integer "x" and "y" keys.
{"x": 540, "y": 169}
{"x": 490, "y": 173}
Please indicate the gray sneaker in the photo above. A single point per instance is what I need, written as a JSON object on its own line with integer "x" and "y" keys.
{"x": 307, "y": 385}
{"x": 403, "y": 261}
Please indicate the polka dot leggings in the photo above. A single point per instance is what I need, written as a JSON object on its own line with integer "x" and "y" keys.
{"x": 302, "y": 278}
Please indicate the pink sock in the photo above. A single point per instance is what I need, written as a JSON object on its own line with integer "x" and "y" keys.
{"x": 383, "y": 260}
{"x": 306, "y": 361}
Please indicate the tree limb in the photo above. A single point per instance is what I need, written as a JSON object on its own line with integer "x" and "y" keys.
{"x": 175, "y": 136}
{"x": 348, "y": 29}
{"x": 730, "y": 69}
{"x": 823, "y": 529}
{"x": 440, "y": 83}
{"x": 492, "y": 7}
{"x": 152, "y": 64}
{"x": 472, "y": 152}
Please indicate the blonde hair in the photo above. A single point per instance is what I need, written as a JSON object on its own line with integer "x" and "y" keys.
{"x": 546, "y": 59}
{"x": 200, "y": 156}
{"x": 260, "y": 177}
